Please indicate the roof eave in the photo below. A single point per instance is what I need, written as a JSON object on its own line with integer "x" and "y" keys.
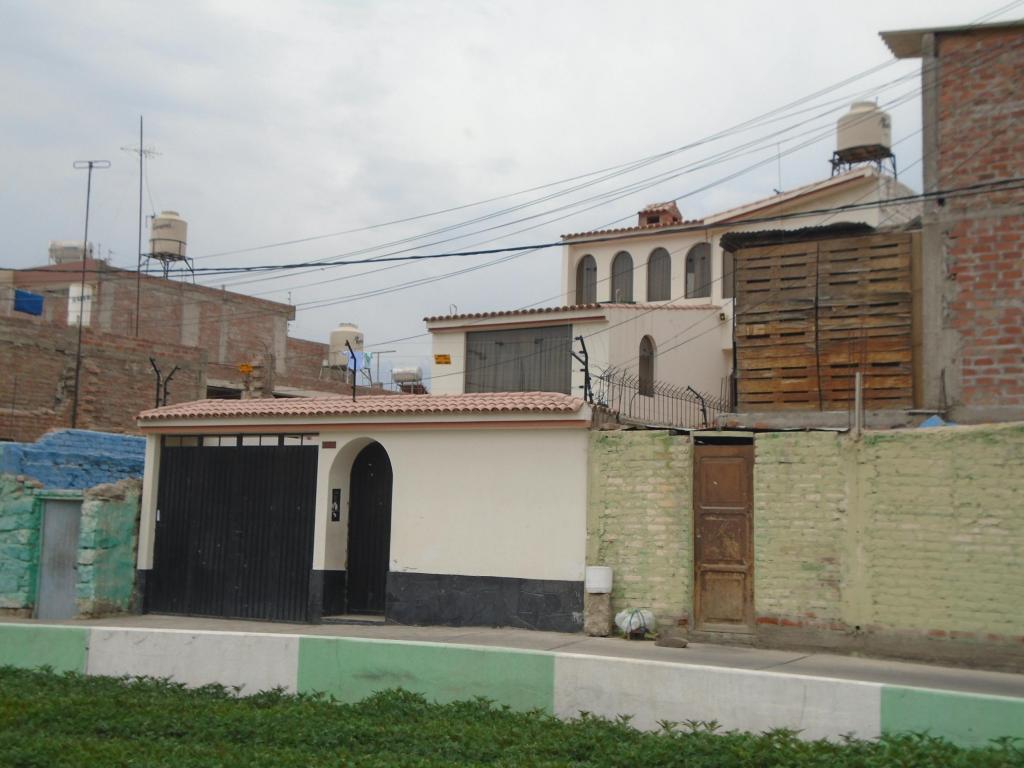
{"x": 908, "y": 43}
{"x": 737, "y": 215}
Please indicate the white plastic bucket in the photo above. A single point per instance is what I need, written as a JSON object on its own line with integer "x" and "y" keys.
{"x": 598, "y": 580}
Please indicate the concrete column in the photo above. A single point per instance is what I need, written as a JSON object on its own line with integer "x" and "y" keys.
{"x": 940, "y": 369}
{"x": 147, "y": 515}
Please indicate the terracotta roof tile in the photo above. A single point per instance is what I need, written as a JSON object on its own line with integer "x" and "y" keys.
{"x": 561, "y": 310}
{"x": 507, "y": 312}
{"x": 636, "y": 228}
{"x": 489, "y": 402}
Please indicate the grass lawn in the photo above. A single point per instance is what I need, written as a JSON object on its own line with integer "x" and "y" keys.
{"x": 51, "y": 720}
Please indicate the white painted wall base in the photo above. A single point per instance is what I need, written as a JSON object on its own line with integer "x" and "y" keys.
{"x": 247, "y": 661}
{"x": 737, "y": 699}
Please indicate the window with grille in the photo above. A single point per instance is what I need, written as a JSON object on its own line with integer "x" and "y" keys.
{"x": 520, "y": 360}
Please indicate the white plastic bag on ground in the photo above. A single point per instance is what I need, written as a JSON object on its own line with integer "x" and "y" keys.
{"x": 635, "y": 620}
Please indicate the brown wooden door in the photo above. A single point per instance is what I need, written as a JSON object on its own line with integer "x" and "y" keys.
{"x": 723, "y": 547}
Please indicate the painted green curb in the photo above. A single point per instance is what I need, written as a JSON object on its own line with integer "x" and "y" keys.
{"x": 30, "y": 645}
{"x": 967, "y": 719}
{"x": 352, "y": 669}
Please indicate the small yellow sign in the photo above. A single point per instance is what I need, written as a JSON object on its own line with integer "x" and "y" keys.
{"x": 245, "y": 368}
{"x": 442, "y": 359}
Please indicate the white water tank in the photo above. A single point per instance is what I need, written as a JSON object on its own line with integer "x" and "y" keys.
{"x": 411, "y": 375}
{"x": 168, "y": 236}
{"x": 64, "y": 251}
{"x": 337, "y": 356}
{"x": 864, "y": 133}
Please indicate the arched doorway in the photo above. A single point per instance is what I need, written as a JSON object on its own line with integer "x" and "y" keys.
{"x": 369, "y": 530}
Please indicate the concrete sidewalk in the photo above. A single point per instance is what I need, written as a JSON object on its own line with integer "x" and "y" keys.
{"x": 820, "y": 665}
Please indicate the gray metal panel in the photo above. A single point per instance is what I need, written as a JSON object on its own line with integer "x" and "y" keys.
{"x": 58, "y": 566}
{"x": 520, "y": 360}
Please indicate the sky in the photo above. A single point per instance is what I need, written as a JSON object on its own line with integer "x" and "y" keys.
{"x": 284, "y": 121}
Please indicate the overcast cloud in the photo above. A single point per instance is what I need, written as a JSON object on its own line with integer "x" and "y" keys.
{"x": 285, "y": 120}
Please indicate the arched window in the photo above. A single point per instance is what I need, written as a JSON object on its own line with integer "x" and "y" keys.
{"x": 659, "y": 275}
{"x": 647, "y": 366}
{"x": 622, "y": 278}
{"x": 698, "y": 271}
{"x": 586, "y": 280}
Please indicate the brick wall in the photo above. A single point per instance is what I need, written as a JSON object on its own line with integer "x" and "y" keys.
{"x": 800, "y": 504}
{"x": 639, "y": 519}
{"x": 980, "y": 138}
{"x": 37, "y": 365}
{"x": 230, "y": 327}
{"x": 944, "y": 538}
{"x": 106, "y": 548}
{"x": 223, "y": 328}
{"x": 75, "y": 458}
{"x": 105, "y": 569}
{"x": 19, "y": 545}
{"x": 905, "y": 543}
{"x": 304, "y": 358}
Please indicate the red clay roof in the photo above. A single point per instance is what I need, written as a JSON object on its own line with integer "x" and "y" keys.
{"x": 559, "y": 310}
{"x": 636, "y": 228}
{"x": 489, "y": 402}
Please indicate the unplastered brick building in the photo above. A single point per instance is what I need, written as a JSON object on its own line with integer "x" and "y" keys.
{"x": 973, "y": 226}
{"x": 200, "y": 334}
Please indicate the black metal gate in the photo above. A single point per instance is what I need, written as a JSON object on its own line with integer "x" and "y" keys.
{"x": 234, "y": 532}
{"x": 369, "y": 530}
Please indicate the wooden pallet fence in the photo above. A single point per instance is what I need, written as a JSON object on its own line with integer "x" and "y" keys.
{"x": 810, "y": 315}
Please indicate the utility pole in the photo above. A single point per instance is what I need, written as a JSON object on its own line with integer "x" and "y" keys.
{"x": 83, "y": 165}
{"x": 143, "y": 153}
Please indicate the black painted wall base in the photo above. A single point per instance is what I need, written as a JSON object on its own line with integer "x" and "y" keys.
{"x": 315, "y": 597}
{"x": 334, "y": 593}
{"x": 489, "y": 601}
{"x": 139, "y": 595}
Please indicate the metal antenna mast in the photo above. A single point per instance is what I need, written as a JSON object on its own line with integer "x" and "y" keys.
{"x": 83, "y": 165}
{"x": 143, "y": 152}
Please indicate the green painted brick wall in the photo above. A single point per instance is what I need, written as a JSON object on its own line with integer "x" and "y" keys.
{"x": 945, "y": 529}
{"x": 352, "y": 669}
{"x": 106, "y": 545}
{"x": 106, "y": 548}
{"x": 910, "y": 533}
{"x": 640, "y": 518}
{"x": 19, "y": 544}
{"x": 800, "y": 512}
{"x": 905, "y": 531}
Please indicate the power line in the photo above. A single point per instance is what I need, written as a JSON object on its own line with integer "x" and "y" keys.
{"x": 622, "y": 167}
{"x": 628, "y": 190}
{"x": 599, "y": 200}
{"x": 321, "y": 303}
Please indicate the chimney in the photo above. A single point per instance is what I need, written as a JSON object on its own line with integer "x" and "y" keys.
{"x": 659, "y": 215}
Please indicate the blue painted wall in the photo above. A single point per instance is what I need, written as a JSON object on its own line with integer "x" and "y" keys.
{"x": 75, "y": 459}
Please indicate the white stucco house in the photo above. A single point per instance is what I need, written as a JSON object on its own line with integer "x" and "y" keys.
{"x": 422, "y": 509}
{"x": 653, "y": 299}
